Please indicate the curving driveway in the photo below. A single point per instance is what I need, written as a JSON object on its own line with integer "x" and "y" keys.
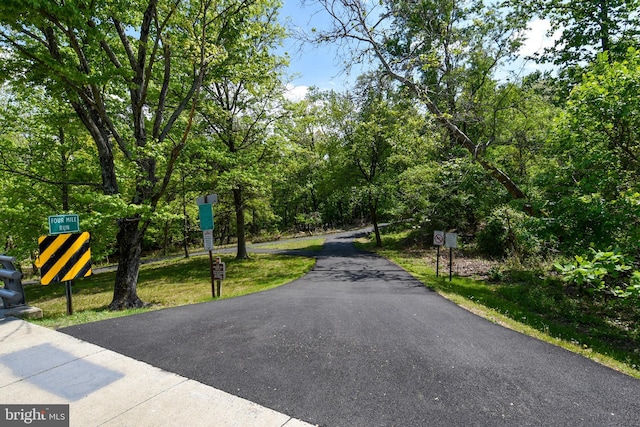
{"x": 359, "y": 342}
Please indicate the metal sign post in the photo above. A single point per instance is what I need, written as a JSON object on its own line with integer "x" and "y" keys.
{"x": 67, "y": 286}
{"x": 219, "y": 272}
{"x": 213, "y": 286}
{"x": 451, "y": 241}
{"x": 438, "y": 240}
{"x": 205, "y": 210}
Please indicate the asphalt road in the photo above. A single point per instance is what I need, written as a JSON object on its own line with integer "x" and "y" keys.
{"x": 359, "y": 342}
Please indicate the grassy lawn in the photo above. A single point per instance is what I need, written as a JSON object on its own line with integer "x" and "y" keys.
{"x": 307, "y": 245}
{"x": 605, "y": 331}
{"x": 164, "y": 284}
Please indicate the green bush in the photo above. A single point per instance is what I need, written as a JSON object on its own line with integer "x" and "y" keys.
{"x": 493, "y": 239}
{"x": 509, "y": 232}
{"x": 607, "y": 272}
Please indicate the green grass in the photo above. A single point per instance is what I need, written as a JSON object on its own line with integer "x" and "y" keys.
{"x": 605, "y": 331}
{"x": 164, "y": 284}
{"x": 307, "y": 245}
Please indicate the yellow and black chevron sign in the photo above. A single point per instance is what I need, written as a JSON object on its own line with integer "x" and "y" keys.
{"x": 64, "y": 257}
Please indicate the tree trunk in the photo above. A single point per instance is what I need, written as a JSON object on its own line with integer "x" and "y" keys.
{"x": 242, "y": 243}
{"x": 64, "y": 171}
{"x": 185, "y": 221}
{"x": 374, "y": 219}
{"x": 129, "y": 239}
{"x": 185, "y": 234}
{"x": 100, "y": 134}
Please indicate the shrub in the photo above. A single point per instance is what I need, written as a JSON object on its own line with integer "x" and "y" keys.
{"x": 508, "y": 232}
{"x": 607, "y": 272}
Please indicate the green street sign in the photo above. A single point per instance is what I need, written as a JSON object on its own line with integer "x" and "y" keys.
{"x": 206, "y": 216}
{"x": 60, "y": 224}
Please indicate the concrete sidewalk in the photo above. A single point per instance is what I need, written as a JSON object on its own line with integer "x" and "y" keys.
{"x": 104, "y": 388}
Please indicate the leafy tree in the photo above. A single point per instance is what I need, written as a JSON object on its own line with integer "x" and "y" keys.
{"x": 590, "y": 181}
{"x": 314, "y": 191}
{"x": 586, "y": 28}
{"x": 371, "y": 142}
{"x": 582, "y": 30}
{"x": 132, "y": 72}
{"x": 239, "y": 110}
{"x": 451, "y": 194}
{"x": 361, "y": 140}
{"x": 46, "y": 157}
{"x": 515, "y": 125}
{"x": 296, "y": 192}
{"x": 606, "y": 109}
{"x": 437, "y": 50}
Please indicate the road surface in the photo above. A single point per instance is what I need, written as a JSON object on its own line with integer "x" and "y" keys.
{"x": 359, "y": 342}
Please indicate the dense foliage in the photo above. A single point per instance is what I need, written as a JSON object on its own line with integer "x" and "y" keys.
{"x": 435, "y": 137}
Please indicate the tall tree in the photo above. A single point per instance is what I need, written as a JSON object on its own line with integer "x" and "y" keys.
{"x": 131, "y": 71}
{"x": 426, "y": 46}
{"x": 46, "y": 164}
{"x": 296, "y": 192}
{"x": 586, "y": 28}
{"x": 371, "y": 143}
{"x": 363, "y": 136}
{"x": 588, "y": 177}
{"x": 239, "y": 110}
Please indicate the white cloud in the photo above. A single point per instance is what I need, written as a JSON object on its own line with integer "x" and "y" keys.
{"x": 535, "y": 42}
{"x": 296, "y": 93}
{"x": 536, "y": 39}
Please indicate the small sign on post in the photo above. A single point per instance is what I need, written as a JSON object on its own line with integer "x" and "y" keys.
{"x": 63, "y": 258}
{"x": 219, "y": 270}
{"x": 206, "y": 216}
{"x": 207, "y": 236}
{"x": 219, "y": 273}
{"x": 205, "y": 210}
{"x": 438, "y": 240}
{"x": 451, "y": 241}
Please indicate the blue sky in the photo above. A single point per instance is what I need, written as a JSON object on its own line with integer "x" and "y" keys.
{"x": 313, "y": 65}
